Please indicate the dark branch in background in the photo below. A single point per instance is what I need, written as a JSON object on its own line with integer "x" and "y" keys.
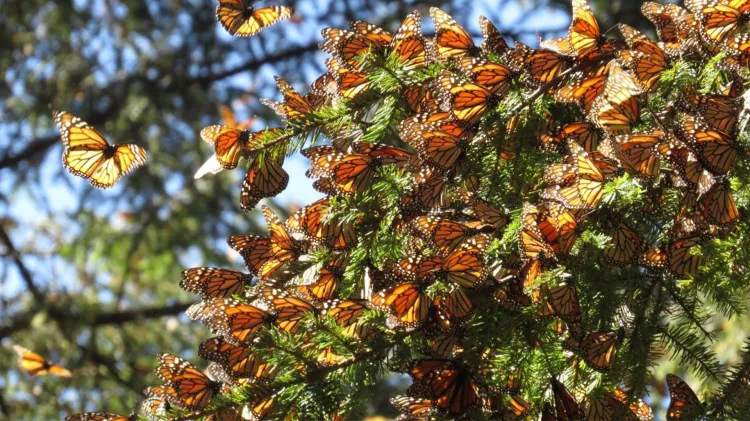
{"x": 34, "y": 148}
{"x": 120, "y": 317}
{"x": 94, "y": 356}
{"x": 25, "y": 273}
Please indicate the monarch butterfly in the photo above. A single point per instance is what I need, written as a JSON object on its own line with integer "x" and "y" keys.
{"x": 713, "y": 148}
{"x": 720, "y": 112}
{"x": 626, "y": 245}
{"x": 585, "y": 134}
{"x": 36, "y": 365}
{"x": 584, "y": 34}
{"x": 511, "y": 408}
{"x": 675, "y": 258}
{"x": 283, "y": 247}
{"x": 687, "y": 166}
{"x": 493, "y": 39}
{"x": 192, "y": 387}
{"x": 468, "y": 101}
{"x": 683, "y": 404}
{"x": 347, "y": 313}
{"x": 420, "y": 98}
{"x": 413, "y": 408}
{"x": 495, "y": 77}
{"x": 451, "y": 387}
{"x": 321, "y": 90}
{"x": 720, "y": 20}
{"x": 544, "y": 66}
{"x": 229, "y": 142}
{"x": 293, "y": 107}
{"x": 617, "y": 108}
{"x": 235, "y": 321}
{"x": 315, "y": 222}
{"x": 408, "y": 302}
{"x": 255, "y": 250}
{"x": 263, "y": 179}
{"x": 488, "y": 214}
{"x": 407, "y": 45}
{"x": 584, "y": 191}
{"x": 465, "y": 267}
{"x": 429, "y": 193}
{"x": 214, "y": 282}
{"x": 242, "y": 20}
{"x": 158, "y": 401}
{"x": 325, "y": 286}
{"x": 438, "y": 143}
{"x": 353, "y": 86}
{"x": 566, "y": 406}
{"x": 99, "y": 416}
{"x": 719, "y": 205}
{"x": 598, "y": 349}
{"x": 614, "y": 406}
{"x": 558, "y": 226}
{"x": 637, "y": 153}
{"x": 88, "y": 154}
{"x": 289, "y": 310}
{"x": 418, "y": 268}
{"x": 563, "y": 301}
{"x": 666, "y": 18}
{"x": 583, "y": 92}
{"x": 739, "y": 60}
{"x": 690, "y": 216}
{"x": 645, "y": 59}
{"x": 516, "y": 57}
{"x": 239, "y": 362}
{"x": 451, "y": 39}
{"x": 350, "y": 46}
{"x": 453, "y": 310}
{"x": 446, "y": 234}
{"x": 533, "y": 244}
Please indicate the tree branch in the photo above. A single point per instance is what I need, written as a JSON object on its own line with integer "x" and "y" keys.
{"x": 25, "y": 273}
{"x": 121, "y": 317}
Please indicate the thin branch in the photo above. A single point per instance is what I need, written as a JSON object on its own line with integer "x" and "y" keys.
{"x": 122, "y": 317}
{"x": 25, "y": 273}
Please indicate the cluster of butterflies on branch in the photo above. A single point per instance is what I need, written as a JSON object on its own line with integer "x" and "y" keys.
{"x": 445, "y": 278}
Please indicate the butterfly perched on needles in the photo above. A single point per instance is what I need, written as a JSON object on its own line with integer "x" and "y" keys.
{"x": 36, "y": 365}
{"x": 88, "y": 154}
{"x": 683, "y": 404}
{"x": 242, "y": 20}
{"x": 452, "y": 388}
{"x": 193, "y": 388}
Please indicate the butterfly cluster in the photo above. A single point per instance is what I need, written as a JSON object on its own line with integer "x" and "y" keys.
{"x": 472, "y": 265}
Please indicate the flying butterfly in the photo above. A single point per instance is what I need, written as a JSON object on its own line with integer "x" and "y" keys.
{"x": 242, "y": 20}
{"x": 88, "y": 155}
{"x": 192, "y": 387}
{"x": 683, "y": 404}
{"x": 36, "y": 365}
